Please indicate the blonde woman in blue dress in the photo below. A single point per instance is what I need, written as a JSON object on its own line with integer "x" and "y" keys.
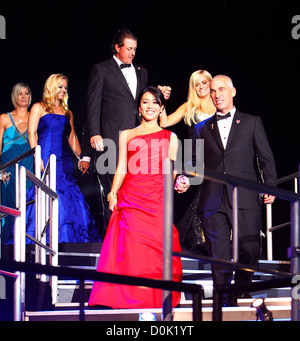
{"x": 198, "y": 107}
{"x": 51, "y": 125}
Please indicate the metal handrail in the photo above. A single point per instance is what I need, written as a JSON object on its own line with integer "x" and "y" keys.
{"x": 269, "y": 212}
{"x": 251, "y": 185}
{"x": 8, "y": 274}
{"x": 40, "y": 184}
{"x": 293, "y": 198}
{"x": 17, "y": 159}
{"x": 41, "y": 190}
{"x": 287, "y": 178}
{"x": 234, "y": 265}
{"x": 9, "y": 211}
{"x": 83, "y": 274}
{"x": 19, "y": 300}
{"x": 225, "y": 179}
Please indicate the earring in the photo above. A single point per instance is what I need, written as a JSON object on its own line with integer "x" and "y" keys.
{"x": 140, "y": 114}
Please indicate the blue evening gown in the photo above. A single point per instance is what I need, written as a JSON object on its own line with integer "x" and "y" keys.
{"x": 75, "y": 222}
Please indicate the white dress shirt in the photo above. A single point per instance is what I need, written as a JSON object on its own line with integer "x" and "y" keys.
{"x": 130, "y": 76}
{"x": 225, "y": 126}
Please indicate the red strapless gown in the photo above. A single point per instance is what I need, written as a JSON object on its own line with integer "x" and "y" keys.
{"x": 133, "y": 244}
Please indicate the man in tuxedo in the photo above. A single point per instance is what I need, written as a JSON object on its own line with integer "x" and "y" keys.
{"x": 113, "y": 88}
{"x": 234, "y": 144}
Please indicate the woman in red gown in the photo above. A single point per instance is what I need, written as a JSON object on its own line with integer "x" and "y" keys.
{"x": 133, "y": 244}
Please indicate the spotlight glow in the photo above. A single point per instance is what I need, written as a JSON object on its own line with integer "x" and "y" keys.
{"x": 147, "y": 316}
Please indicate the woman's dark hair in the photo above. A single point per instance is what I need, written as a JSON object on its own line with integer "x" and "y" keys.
{"x": 120, "y": 36}
{"x": 158, "y": 95}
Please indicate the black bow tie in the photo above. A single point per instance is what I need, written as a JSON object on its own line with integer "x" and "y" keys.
{"x": 222, "y": 117}
{"x": 123, "y": 66}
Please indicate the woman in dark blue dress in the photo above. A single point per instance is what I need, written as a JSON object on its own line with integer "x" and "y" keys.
{"x": 51, "y": 125}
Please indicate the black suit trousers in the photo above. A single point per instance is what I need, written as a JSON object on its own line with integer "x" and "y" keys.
{"x": 217, "y": 226}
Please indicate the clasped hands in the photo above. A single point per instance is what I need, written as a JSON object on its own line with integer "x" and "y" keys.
{"x": 83, "y": 166}
{"x": 166, "y": 90}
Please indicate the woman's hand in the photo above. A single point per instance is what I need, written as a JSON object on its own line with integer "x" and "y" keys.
{"x": 113, "y": 204}
{"x": 83, "y": 166}
{"x": 182, "y": 184}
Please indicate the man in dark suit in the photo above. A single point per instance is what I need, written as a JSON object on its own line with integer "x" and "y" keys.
{"x": 233, "y": 142}
{"x": 113, "y": 88}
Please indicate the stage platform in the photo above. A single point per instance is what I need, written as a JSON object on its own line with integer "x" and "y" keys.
{"x": 280, "y": 308}
{"x": 85, "y": 256}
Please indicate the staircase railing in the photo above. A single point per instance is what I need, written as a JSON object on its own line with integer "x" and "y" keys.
{"x": 269, "y": 214}
{"x": 293, "y": 198}
{"x": 83, "y": 274}
{"x": 46, "y": 214}
{"x": 8, "y": 211}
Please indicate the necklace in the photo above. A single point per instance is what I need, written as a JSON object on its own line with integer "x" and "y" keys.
{"x": 17, "y": 119}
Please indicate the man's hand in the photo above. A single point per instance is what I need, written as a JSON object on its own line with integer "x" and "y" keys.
{"x": 269, "y": 199}
{"x": 97, "y": 143}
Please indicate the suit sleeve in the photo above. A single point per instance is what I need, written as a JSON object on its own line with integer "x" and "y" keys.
{"x": 194, "y": 150}
{"x": 94, "y": 101}
{"x": 264, "y": 154}
{"x": 86, "y": 148}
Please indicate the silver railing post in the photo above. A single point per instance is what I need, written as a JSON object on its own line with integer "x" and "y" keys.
{"x": 17, "y": 187}
{"x": 235, "y": 225}
{"x": 168, "y": 232}
{"x": 17, "y": 258}
{"x": 42, "y": 219}
{"x": 269, "y": 225}
{"x": 53, "y": 225}
{"x": 20, "y": 247}
{"x": 295, "y": 253}
{"x": 269, "y": 216}
{"x": 38, "y": 163}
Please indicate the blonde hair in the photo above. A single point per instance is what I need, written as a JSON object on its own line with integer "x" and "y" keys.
{"x": 50, "y": 94}
{"x": 16, "y": 92}
{"x": 194, "y": 103}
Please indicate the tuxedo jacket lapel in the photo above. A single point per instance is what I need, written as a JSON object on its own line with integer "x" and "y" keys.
{"x": 138, "y": 78}
{"x": 118, "y": 73}
{"x": 236, "y": 123}
{"x": 214, "y": 130}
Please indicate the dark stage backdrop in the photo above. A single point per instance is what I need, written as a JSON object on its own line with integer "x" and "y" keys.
{"x": 251, "y": 41}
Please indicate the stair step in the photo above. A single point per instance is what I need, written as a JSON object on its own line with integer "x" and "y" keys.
{"x": 280, "y": 308}
{"x": 85, "y": 256}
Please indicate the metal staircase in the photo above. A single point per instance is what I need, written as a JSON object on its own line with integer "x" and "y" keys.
{"x": 86, "y": 257}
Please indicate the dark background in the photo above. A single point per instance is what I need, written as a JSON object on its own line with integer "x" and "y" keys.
{"x": 251, "y": 41}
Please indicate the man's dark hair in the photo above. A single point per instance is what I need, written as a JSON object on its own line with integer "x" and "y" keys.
{"x": 120, "y": 36}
